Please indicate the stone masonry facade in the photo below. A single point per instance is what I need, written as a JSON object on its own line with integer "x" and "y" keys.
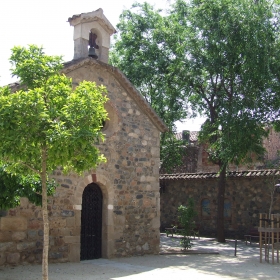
{"x": 129, "y": 181}
{"x": 245, "y": 196}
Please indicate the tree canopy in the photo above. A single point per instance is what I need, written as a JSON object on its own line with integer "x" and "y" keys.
{"x": 15, "y": 186}
{"x": 140, "y": 52}
{"x": 48, "y": 124}
{"x": 217, "y": 58}
{"x": 48, "y": 113}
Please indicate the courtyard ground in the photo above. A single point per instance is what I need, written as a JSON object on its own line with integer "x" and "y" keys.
{"x": 207, "y": 260}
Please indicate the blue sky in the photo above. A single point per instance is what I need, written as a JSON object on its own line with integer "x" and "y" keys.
{"x": 44, "y": 23}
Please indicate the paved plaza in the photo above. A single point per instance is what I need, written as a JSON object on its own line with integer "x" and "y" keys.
{"x": 207, "y": 260}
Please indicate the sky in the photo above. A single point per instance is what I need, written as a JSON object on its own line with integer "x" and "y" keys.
{"x": 44, "y": 23}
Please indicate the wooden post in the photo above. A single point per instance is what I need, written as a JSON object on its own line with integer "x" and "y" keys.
{"x": 260, "y": 238}
{"x": 266, "y": 237}
{"x": 277, "y": 240}
{"x": 270, "y": 227}
{"x": 272, "y": 237}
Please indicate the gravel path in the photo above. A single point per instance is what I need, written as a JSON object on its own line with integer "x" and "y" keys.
{"x": 207, "y": 260}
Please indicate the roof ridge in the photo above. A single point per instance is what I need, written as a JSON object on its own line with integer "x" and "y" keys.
{"x": 206, "y": 175}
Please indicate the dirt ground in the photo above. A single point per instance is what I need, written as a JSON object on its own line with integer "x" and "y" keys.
{"x": 207, "y": 260}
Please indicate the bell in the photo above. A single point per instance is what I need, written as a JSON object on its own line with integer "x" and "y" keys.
{"x": 91, "y": 53}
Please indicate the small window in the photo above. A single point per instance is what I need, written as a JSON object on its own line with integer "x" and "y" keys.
{"x": 111, "y": 125}
{"x": 227, "y": 208}
{"x": 205, "y": 208}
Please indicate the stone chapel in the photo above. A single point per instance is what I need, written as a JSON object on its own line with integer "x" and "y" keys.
{"x": 109, "y": 212}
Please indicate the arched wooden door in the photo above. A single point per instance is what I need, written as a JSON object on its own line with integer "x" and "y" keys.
{"x": 91, "y": 223}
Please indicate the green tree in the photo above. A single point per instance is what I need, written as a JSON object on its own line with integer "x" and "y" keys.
{"x": 186, "y": 220}
{"x": 140, "y": 53}
{"x": 15, "y": 186}
{"x": 47, "y": 123}
{"x": 221, "y": 60}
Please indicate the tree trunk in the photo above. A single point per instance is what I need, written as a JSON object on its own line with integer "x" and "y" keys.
{"x": 45, "y": 215}
{"x": 221, "y": 201}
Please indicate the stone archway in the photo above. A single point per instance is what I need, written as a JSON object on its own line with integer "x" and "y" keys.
{"x": 91, "y": 222}
{"x": 107, "y": 216}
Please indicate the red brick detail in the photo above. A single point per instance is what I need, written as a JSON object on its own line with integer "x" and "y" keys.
{"x": 94, "y": 179}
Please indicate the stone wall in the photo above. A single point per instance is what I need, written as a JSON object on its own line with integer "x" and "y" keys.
{"x": 131, "y": 174}
{"x": 129, "y": 182}
{"x": 245, "y": 199}
{"x": 21, "y": 232}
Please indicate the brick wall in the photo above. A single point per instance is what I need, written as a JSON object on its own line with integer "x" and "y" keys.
{"x": 199, "y": 162}
{"x": 272, "y": 145}
{"x": 189, "y": 161}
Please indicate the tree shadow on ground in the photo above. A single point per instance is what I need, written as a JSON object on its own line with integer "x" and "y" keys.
{"x": 224, "y": 265}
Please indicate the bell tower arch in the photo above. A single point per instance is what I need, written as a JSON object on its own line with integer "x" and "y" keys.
{"x": 96, "y": 23}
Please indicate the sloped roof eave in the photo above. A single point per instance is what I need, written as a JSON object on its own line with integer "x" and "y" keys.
{"x": 125, "y": 83}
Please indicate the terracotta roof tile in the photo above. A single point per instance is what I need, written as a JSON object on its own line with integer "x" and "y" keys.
{"x": 211, "y": 175}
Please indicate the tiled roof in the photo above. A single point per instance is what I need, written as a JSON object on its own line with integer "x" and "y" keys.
{"x": 212, "y": 175}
